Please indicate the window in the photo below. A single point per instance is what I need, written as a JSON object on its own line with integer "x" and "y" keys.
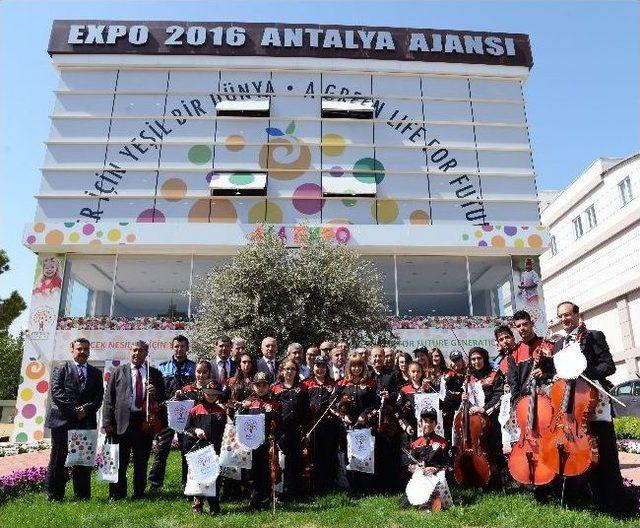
{"x": 432, "y": 286}
{"x": 624, "y": 188}
{"x": 245, "y": 108}
{"x": 355, "y": 108}
{"x": 591, "y": 216}
{"x": 491, "y": 290}
{"x": 236, "y": 183}
{"x": 88, "y": 283}
{"x": 384, "y": 265}
{"x": 152, "y": 287}
{"x": 577, "y": 227}
{"x": 554, "y": 246}
{"x": 625, "y": 389}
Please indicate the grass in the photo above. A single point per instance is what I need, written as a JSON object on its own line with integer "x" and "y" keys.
{"x": 169, "y": 509}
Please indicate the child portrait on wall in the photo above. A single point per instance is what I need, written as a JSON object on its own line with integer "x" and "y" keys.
{"x": 529, "y": 280}
{"x": 50, "y": 280}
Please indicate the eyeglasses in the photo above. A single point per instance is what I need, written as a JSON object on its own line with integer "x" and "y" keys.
{"x": 325, "y": 349}
{"x": 289, "y": 368}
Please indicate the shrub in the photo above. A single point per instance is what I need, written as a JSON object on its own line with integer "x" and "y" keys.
{"x": 10, "y": 360}
{"x": 627, "y": 427}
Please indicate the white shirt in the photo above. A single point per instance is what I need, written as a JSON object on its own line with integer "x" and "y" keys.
{"x": 336, "y": 372}
{"x": 227, "y": 366}
{"x": 270, "y": 365}
{"x": 134, "y": 376}
{"x": 81, "y": 368}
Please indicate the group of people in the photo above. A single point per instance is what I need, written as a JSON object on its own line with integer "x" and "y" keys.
{"x": 311, "y": 399}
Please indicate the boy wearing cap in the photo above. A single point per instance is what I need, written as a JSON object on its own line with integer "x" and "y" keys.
{"x": 206, "y": 422}
{"x": 430, "y": 452}
{"x": 262, "y": 402}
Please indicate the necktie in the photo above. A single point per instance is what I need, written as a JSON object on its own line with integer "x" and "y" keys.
{"x": 81, "y": 377}
{"x": 567, "y": 339}
{"x": 223, "y": 372}
{"x": 138, "y": 399}
{"x": 271, "y": 366}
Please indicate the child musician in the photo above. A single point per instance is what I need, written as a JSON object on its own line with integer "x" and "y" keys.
{"x": 262, "y": 402}
{"x": 206, "y": 422}
{"x": 430, "y": 451}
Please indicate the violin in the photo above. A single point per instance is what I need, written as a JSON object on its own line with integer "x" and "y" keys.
{"x": 275, "y": 471}
{"x": 472, "y": 465}
{"x": 533, "y": 413}
{"x": 152, "y": 423}
{"x": 307, "y": 463}
{"x": 567, "y": 447}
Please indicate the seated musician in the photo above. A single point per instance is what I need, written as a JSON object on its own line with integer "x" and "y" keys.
{"x": 429, "y": 453}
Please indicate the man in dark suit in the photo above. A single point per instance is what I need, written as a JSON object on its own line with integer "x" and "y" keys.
{"x": 222, "y": 367}
{"x": 124, "y": 417}
{"x": 75, "y": 397}
{"x": 605, "y": 480}
{"x": 267, "y": 363}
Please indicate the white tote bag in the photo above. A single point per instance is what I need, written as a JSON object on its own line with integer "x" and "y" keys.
{"x": 177, "y": 413}
{"x": 81, "y": 447}
{"x": 250, "y": 430}
{"x": 204, "y": 464}
{"x": 361, "y": 450}
{"x": 232, "y": 453}
{"x": 109, "y": 463}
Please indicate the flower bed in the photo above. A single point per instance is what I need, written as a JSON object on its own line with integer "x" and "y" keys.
{"x": 16, "y": 449}
{"x": 121, "y": 323}
{"x": 421, "y": 322}
{"x": 22, "y": 481}
{"x": 628, "y": 445}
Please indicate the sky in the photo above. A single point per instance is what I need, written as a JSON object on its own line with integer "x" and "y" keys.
{"x": 582, "y": 94}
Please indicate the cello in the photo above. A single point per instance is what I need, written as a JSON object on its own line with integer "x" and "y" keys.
{"x": 471, "y": 466}
{"x": 533, "y": 414}
{"x": 567, "y": 447}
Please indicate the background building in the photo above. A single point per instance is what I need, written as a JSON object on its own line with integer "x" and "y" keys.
{"x": 594, "y": 255}
{"x": 171, "y": 143}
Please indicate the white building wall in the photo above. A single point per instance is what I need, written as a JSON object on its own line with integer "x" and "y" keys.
{"x": 600, "y": 269}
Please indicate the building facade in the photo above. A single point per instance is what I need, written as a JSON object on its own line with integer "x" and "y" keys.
{"x": 172, "y": 143}
{"x": 594, "y": 227}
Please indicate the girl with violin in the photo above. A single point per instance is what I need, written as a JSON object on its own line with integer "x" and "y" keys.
{"x": 406, "y": 400}
{"x": 192, "y": 390}
{"x": 263, "y": 470}
{"x": 294, "y": 402}
{"x": 323, "y": 428}
{"x": 492, "y": 382}
{"x": 206, "y": 423}
{"x": 358, "y": 407}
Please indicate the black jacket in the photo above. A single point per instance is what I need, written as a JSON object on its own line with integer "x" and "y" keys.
{"x": 262, "y": 367}
{"x": 117, "y": 397}
{"x": 600, "y": 363}
{"x": 65, "y": 396}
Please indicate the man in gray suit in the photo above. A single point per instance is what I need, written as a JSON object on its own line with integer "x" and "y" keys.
{"x": 124, "y": 417}
{"x": 75, "y": 397}
{"x": 222, "y": 366}
{"x": 268, "y": 363}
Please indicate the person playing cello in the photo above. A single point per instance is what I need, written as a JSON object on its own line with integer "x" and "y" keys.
{"x": 605, "y": 480}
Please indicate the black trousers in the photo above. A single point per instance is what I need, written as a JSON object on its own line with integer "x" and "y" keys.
{"x": 605, "y": 480}
{"x": 134, "y": 442}
{"x": 56, "y": 480}
{"x": 159, "y": 467}
{"x": 324, "y": 444}
{"x": 260, "y": 477}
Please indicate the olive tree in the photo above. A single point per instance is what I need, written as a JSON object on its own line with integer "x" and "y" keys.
{"x": 306, "y": 294}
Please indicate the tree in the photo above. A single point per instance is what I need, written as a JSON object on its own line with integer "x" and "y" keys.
{"x": 10, "y": 347}
{"x": 12, "y": 306}
{"x": 317, "y": 291}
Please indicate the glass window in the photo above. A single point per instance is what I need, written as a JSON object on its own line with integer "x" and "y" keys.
{"x": 432, "y": 286}
{"x": 554, "y": 246}
{"x": 625, "y": 389}
{"x": 88, "y": 282}
{"x": 385, "y": 266}
{"x": 626, "y": 193}
{"x": 201, "y": 268}
{"x": 152, "y": 286}
{"x": 591, "y": 216}
{"x": 491, "y": 285}
{"x": 577, "y": 227}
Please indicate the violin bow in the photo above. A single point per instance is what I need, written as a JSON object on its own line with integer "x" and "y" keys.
{"x": 331, "y": 404}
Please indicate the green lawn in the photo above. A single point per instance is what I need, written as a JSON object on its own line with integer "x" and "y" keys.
{"x": 170, "y": 509}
